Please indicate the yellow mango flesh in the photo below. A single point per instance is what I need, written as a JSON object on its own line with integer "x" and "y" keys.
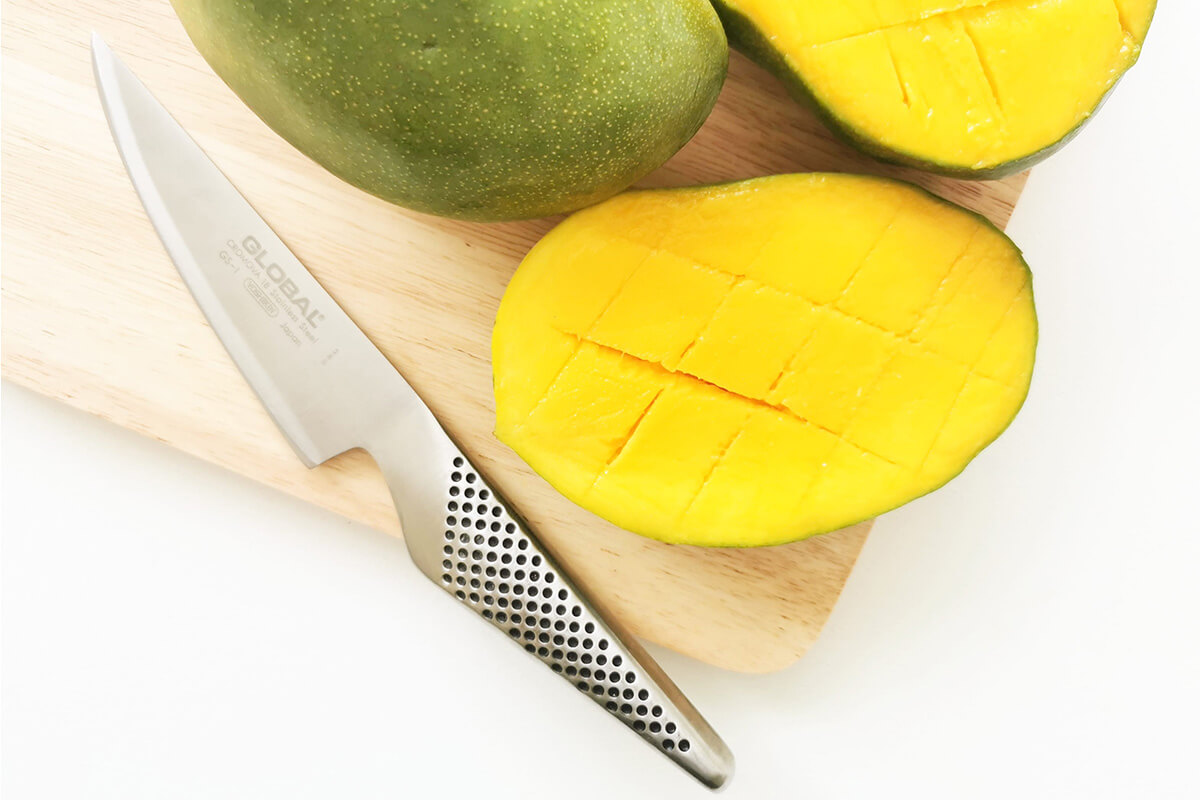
{"x": 967, "y": 85}
{"x": 754, "y": 363}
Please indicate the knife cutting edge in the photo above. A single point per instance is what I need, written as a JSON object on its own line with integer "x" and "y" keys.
{"x": 329, "y": 389}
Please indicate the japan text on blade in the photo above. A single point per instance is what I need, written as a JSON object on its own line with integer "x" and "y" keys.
{"x": 330, "y": 390}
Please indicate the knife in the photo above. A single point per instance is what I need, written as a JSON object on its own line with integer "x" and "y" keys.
{"x": 330, "y": 390}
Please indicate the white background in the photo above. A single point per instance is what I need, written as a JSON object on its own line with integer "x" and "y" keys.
{"x": 1031, "y": 630}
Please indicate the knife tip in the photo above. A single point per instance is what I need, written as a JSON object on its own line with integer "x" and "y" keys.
{"x": 100, "y": 47}
{"x": 100, "y": 52}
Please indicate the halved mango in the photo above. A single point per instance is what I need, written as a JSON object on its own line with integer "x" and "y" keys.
{"x": 758, "y": 362}
{"x": 973, "y": 88}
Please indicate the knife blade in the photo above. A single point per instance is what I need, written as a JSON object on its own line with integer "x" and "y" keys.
{"x": 329, "y": 390}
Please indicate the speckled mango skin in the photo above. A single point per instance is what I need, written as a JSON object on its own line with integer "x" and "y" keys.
{"x": 485, "y": 110}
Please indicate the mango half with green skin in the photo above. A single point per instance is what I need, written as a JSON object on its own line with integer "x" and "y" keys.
{"x": 966, "y": 88}
{"x": 476, "y": 109}
{"x": 758, "y": 362}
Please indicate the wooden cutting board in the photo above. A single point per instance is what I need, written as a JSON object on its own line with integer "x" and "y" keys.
{"x": 95, "y": 315}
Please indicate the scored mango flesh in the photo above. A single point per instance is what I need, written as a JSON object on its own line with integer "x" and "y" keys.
{"x": 961, "y": 84}
{"x": 758, "y": 362}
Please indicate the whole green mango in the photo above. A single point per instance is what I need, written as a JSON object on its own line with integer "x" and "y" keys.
{"x": 477, "y": 109}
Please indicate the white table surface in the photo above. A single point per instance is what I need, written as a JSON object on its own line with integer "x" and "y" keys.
{"x": 172, "y": 631}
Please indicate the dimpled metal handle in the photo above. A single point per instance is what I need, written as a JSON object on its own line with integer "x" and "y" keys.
{"x": 468, "y": 540}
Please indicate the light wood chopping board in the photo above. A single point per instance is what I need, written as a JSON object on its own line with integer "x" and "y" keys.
{"x": 94, "y": 313}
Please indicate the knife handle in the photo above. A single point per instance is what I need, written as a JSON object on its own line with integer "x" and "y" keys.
{"x": 469, "y": 541}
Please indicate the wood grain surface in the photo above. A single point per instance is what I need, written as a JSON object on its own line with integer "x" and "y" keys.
{"x": 94, "y": 313}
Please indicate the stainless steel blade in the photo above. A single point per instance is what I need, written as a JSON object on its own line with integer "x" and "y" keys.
{"x": 329, "y": 389}
{"x": 324, "y": 383}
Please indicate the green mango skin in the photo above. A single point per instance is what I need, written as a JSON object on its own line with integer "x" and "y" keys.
{"x": 477, "y": 109}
